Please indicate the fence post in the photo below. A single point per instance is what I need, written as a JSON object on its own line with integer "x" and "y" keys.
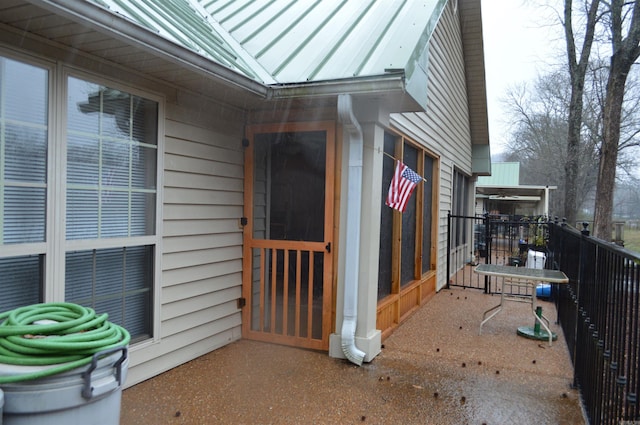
{"x": 448, "y": 277}
{"x": 489, "y": 243}
{"x": 581, "y": 272}
{"x": 585, "y": 228}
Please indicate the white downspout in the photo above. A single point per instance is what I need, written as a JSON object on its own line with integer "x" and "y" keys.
{"x": 354, "y": 201}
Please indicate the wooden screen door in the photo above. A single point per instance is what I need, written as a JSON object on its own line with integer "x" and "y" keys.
{"x": 289, "y": 175}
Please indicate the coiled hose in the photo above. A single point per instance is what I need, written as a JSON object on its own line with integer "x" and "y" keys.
{"x": 67, "y": 336}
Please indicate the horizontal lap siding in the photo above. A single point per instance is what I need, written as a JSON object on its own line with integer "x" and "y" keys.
{"x": 202, "y": 240}
{"x": 202, "y": 195}
{"x": 444, "y": 127}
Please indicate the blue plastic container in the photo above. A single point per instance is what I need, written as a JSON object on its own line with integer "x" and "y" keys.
{"x": 543, "y": 290}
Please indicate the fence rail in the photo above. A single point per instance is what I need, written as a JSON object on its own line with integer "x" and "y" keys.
{"x": 507, "y": 241}
{"x": 599, "y": 311}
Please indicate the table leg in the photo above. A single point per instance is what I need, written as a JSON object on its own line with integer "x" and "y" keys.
{"x": 497, "y": 309}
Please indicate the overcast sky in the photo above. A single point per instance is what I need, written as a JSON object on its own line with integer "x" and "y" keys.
{"x": 519, "y": 42}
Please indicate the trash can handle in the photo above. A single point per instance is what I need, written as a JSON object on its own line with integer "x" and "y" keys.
{"x": 87, "y": 389}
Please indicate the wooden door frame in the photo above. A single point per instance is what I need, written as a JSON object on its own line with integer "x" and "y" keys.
{"x": 248, "y": 242}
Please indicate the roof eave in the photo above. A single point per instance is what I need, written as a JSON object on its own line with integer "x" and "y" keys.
{"x": 392, "y": 86}
{"x": 100, "y": 19}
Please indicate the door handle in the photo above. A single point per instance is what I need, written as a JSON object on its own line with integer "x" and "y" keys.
{"x": 328, "y": 247}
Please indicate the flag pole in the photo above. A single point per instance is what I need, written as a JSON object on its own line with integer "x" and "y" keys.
{"x": 396, "y": 159}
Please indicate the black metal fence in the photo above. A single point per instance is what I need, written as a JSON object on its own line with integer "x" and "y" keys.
{"x": 599, "y": 311}
{"x": 518, "y": 241}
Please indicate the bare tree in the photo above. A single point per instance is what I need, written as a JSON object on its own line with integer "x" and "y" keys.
{"x": 538, "y": 115}
{"x": 624, "y": 51}
{"x": 577, "y": 71}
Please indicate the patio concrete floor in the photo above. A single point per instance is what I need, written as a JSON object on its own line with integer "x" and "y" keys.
{"x": 434, "y": 369}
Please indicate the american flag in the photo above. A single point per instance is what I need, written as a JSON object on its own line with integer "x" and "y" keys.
{"x": 402, "y": 185}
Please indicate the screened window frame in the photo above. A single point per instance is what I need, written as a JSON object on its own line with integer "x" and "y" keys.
{"x": 460, "y": 203}
{"x": 56, "y": 246}
{"x": 419, "y": 273}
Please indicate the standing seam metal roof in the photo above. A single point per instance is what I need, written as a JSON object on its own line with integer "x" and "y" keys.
{"x": 294, "y": 41}
{"x": 297, "y": 41}
{"x": 181, "y": 22}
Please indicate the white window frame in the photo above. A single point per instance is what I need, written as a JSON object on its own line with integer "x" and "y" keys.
{"x": 56, "y": 246}
{"x": 156, "y": 239}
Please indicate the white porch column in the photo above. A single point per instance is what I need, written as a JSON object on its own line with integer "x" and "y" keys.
{"x": 367, "y": 338}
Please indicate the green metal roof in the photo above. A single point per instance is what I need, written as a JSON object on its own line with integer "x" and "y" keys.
{"x": 297, "y": 41}
{"x": 502, "y": 174}
{"x": 186, "y": 24}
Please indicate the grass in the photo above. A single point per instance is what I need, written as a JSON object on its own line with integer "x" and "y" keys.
{"x": 632, "y": 239}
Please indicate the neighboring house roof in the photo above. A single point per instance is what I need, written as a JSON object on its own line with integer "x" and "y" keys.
{"x": 502, "y": 174}
{"x": 504, "y": 183}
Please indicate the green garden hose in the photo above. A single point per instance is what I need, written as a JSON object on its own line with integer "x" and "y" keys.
{"x": 64, "y": 335}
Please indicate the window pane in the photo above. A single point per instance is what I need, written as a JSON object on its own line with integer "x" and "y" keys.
{"x": 114, "y": 281}
{"x": 143, "y": 206}
{"x": 143, "y": 167}
{"x": 21, "y": 281}
{"x": 115, "y": 163}
{"x": 82, "y": 214}
{"x": 111, "y": 162}
{"x": 115, "y": 112}
{"x": 145, "y": 113}
{"x": 81, "y": 101}
{"x": 115, "y": 210}
{"x": 83, "y": 160}
{"x": 408, "y": 256}
{"x": 460, "y": 207}
{"x": 23, "y": 152}
{"x": 386, "y": 221}
{"x": 24, "y": 216}
{"x": 427, "y": 216}
{"x": 24, "y": 93}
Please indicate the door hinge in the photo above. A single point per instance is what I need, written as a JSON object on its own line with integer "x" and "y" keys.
{"x": 242, "y": 302}
{"x": 328, "y": 247}
{"x": 243, "y": 221}
{"x": 245, "y": 143}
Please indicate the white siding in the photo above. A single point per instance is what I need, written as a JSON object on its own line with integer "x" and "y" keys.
{"x": 201, "y": 248}
{"x": 444, "y": 127}
{"x": 202, "y": 240}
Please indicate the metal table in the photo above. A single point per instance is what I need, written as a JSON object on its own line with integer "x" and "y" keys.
{"x": 522, "y": 276}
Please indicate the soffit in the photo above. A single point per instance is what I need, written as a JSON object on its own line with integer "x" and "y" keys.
{"x": 472, "y": 41}
{"x": 512, "y": 191}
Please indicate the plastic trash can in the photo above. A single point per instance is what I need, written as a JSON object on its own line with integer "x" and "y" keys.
{"x": 87, "y": 395}
{"x": 536, "y": 259}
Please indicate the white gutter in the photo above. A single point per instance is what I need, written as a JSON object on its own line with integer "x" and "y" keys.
{"x": 354, "y": 201}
